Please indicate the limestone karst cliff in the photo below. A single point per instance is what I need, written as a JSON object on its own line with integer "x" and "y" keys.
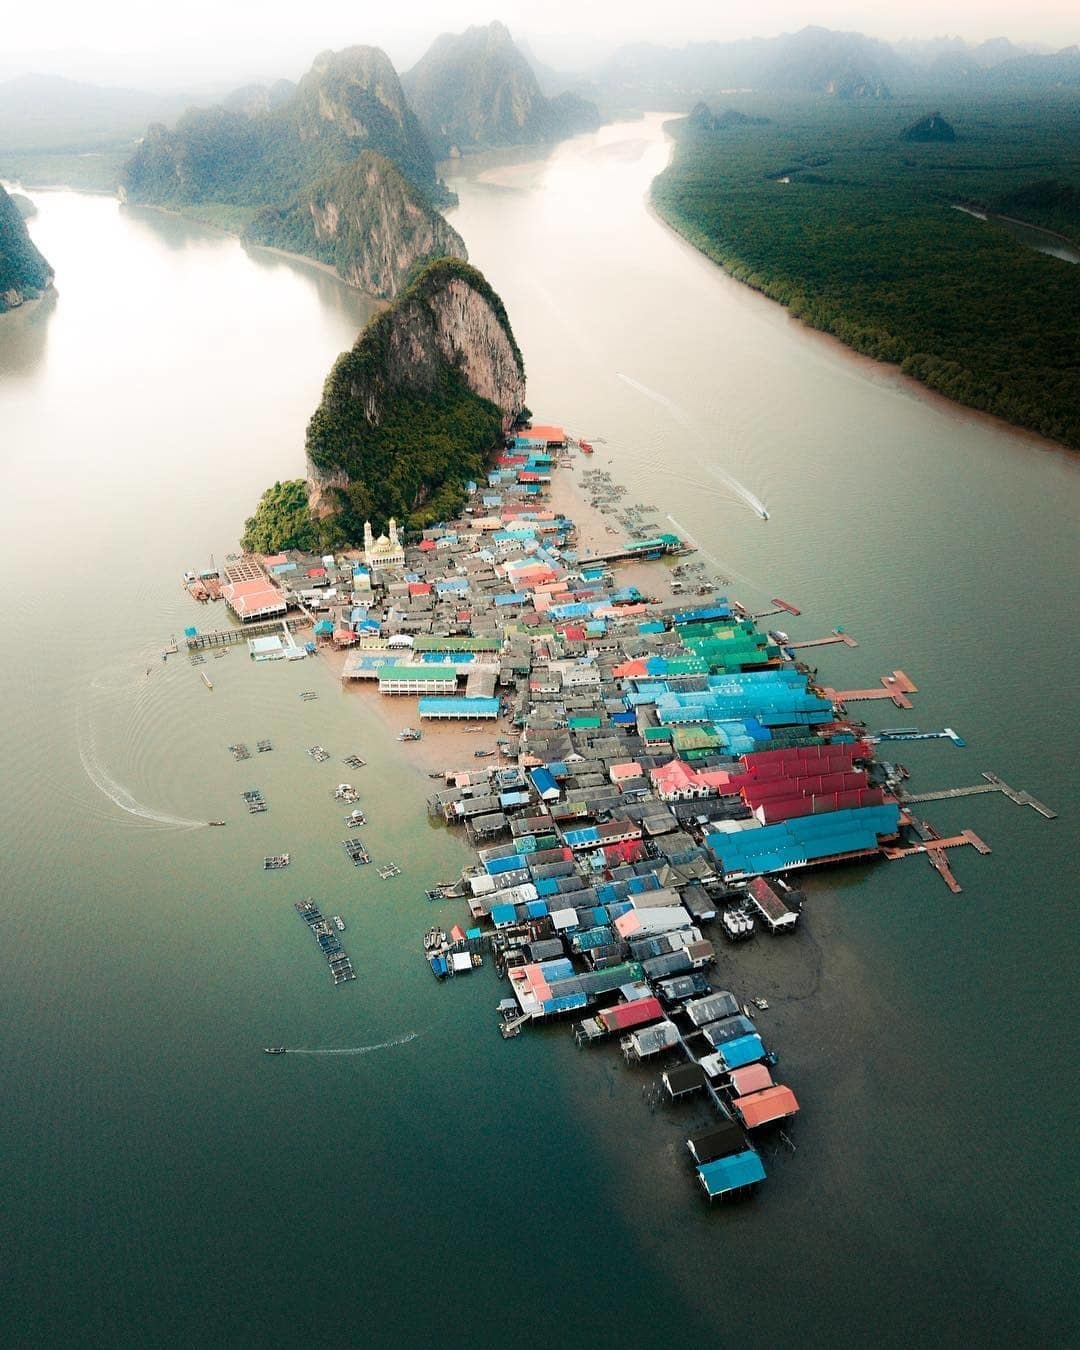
{"x": 348, "y": 102}
{"x": 413, "y": 409}
{"x": 366, "y": 221}
{"x": 476, "y": 89}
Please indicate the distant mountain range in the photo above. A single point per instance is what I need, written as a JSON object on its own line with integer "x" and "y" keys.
{"x": 265, "y": 150}
{"x": 821, "y": 61}
{"x": 477, "y": 89}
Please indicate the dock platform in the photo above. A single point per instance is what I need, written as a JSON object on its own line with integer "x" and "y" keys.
{"x": 895, "y": 687}
{"x": 993, "y": 784}
{"x": 835, "y": 636}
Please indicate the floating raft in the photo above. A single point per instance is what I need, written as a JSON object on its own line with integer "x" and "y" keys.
{"x": 341, "y": 968}
{"x": 263, "y": 746}
{"x": 354, "y": 761}
{"x": 240, "y": 751}
{"x": 356, "y": 851}
{"x": 318, "y": 754}
{"x": 356, "y": 818}
{"x": 256, "y": 803}
{"x": 276, "y": 862}
{"x": 388, "y": 870}
{"x": 308, "y": 694}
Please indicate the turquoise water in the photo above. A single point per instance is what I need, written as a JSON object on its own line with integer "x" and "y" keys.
{"x": 167, "y": 1183}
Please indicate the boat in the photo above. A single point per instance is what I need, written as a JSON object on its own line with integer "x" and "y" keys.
{"x": 409, "y": 734}
{"x": 586, "y": 448}
{"x": 339, "y": 922}
{"x": 217, "y": 822}
{"x": 274, "y": 1050}
{"x": 483, "y": 754}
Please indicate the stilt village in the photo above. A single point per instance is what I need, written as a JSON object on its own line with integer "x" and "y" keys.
{"x": 658, "y": 767}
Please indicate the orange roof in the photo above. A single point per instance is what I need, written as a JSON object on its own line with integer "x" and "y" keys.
{"x": 629, "y": 669}
{"x": 752, "y": 1078}
{"x": 759, "y": 1108}
{"x": 548, "y": 433}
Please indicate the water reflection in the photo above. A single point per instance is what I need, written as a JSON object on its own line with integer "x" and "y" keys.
{"x": 24, "y": 334}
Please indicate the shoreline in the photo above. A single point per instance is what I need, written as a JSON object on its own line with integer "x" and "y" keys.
{"x": 894, "y": 368}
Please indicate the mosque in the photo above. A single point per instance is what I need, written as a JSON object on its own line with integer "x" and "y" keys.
{"x": 384, "y": 552}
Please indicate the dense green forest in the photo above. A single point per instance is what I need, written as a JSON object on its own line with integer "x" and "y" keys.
{"x": 281, "y": 520}
{"x": 398, "y": 422}
{"x": 826, "y": 209}
{"x": 24, "y": 273}
{"x": 413, "y": 463}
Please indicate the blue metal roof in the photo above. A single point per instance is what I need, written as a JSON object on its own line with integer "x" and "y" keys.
{"x": 742, "y": 1050}
{"x": 730, "y": 1173}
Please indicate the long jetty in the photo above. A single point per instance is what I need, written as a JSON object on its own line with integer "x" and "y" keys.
{"x": 228, "y": 637}
{"x": 993, "y": 784}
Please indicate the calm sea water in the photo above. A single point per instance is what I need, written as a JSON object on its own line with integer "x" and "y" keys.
{"x": 167, "y": 1183}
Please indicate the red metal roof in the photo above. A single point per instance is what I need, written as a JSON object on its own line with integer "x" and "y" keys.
{"x": 626, "y": 1015}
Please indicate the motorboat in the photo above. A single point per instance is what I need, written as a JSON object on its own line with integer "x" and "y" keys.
{"x": 274, "y": 1050}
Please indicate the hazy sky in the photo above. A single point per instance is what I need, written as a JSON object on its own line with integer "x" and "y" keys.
{"x": 145, "y": 42}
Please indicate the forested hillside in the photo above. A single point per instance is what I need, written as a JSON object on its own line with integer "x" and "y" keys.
{"x": 827, "y": 210}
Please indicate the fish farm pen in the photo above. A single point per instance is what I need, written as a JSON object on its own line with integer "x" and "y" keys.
{"x": 659, "y": 774}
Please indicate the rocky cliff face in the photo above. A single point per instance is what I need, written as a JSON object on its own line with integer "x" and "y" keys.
{"x": 24, "y": 273}
{"x": 367, "y": 222}
{"x": 417, "y": 404}
{"x": 476, "y": 88}
{"x": 266, "y": 154}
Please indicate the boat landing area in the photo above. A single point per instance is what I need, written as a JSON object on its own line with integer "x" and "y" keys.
{"x": 934, "y": 847}
{"x": 834, "y": 636}
{"x": 993, "y": 784}
{"x": 896, "y": 687}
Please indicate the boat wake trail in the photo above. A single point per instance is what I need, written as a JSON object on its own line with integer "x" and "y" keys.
{"x": 361, "y": 1049}
{"x": 121, "y": 797}
{"x": 740, "y": 493}
{"x": 672, "y": 407}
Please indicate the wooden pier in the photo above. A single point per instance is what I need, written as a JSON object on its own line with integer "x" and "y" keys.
{"x": 934, "y": 847}
{"x": 228, "y": 637}
{"x": 895, "y": 687}
{"x": 993, "y": 784}
{"x": 835, "y": 636}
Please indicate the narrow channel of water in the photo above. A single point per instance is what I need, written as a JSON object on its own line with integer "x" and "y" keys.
{"x": 165, "y": 1182}
{"x": 1031, "y": 236}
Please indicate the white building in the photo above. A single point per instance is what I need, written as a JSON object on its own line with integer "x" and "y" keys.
{"x": 386, "y": 551}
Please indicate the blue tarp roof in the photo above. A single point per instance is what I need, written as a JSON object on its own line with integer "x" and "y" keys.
{"x": 501, "y": 915}
{"x": 543, "y": 782}
{"x": 732, "y": 1172}
{"x": 742, "y": 1050}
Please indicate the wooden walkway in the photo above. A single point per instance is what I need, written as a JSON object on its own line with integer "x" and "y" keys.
{"x": 228, "y": 637}
{"x": 935, "y": 850}
{"x": 835, "y": 636}
{"x": 993, "y": 784}
{"x": 895, "y": 687}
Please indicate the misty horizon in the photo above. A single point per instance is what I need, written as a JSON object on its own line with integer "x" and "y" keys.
{"x": 215, "y": 52}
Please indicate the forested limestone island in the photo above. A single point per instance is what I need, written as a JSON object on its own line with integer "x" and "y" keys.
{"x": 855, "y": 230}
{"x": 366, "y": 221}
{"x": 24, "y": 273}
{"x": 477, "y": 89}
{"x": 932, "y": 128}
{"x": 408, "y": 416}
{"x": 266, "y": 155}
{"x": 336, "y": 168}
